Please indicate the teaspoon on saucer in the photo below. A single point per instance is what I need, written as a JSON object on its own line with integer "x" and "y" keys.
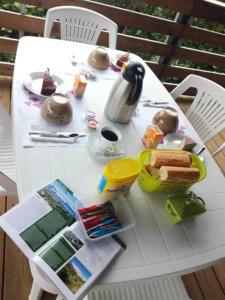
{"x": 119, "y": 154}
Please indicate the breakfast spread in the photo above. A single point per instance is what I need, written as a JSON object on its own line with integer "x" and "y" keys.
{"x": 184, "y": 206}
{"x": 99, "y": 58}
{"x": 163, "y": 158}
{"x": 48, "y": 85}
{"x": 57, "y": 109}
{"x": 152, "y": 137}
{"x": 92, "y": 75}
{"x": 79, "y": 85}
{"x": 122, "y": 59}
{"x": 178, "y": 174}
{"x": 92, "y": 123}
{"x": 187, "y": 144}
{"x": 172, "y": 166}
{"x": 118, "y": 176}
{"x": 167, "y": 120}
{"x": 99, "y": 220}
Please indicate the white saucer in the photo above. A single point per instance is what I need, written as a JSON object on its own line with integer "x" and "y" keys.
{"x": 34, "y": 83}
{"x": 99, "y": 156}
{"x": 173, "y": 140}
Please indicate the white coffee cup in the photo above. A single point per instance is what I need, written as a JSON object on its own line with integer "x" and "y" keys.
{"x": 108, "y": 139}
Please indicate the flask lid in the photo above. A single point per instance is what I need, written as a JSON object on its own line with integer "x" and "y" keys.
{"x": 133, "y": 70}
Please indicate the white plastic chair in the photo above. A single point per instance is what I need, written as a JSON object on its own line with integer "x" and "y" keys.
{"x": 7, "y": 163}
{"x": 80, "y": 25}
{"x": 207, "y": 112}
{"x": 171, "y": 288}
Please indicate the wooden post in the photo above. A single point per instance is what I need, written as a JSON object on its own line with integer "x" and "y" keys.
{"x": 175, "y": 40}
{"x": 186, "y": 20}
{"x": 23, "y": 10}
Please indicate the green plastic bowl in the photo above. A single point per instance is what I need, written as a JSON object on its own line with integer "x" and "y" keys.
{"x": 151, "y": 184}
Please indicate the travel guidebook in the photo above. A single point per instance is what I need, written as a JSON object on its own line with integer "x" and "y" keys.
{"x": 45, "y": 228}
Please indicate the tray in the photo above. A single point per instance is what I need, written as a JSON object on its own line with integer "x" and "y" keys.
{"x": 122, "y": 211}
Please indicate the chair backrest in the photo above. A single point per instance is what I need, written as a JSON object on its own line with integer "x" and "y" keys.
{"x": 80, "y": 25}
{"x": 207, "y": 112}
{"x": 7, "y": 164}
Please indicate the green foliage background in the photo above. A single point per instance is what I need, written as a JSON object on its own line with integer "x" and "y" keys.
{"x": 138, "y": 6}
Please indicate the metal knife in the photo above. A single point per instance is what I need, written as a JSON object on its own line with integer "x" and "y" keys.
{"x": 38, "y": 138}
{"x": 43, "y": 133}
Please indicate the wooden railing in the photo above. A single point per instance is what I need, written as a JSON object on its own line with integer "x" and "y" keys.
{"x": 167, "y": 51}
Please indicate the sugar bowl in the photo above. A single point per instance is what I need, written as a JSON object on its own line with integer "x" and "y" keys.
{"x": 57, "y": 109}
{"x": 99, "y": 58}
{"x": 167, "y": 120}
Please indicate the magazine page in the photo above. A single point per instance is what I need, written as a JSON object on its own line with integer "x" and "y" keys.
{"x": 73, "y": 264}
{"x": 32, "y": 224}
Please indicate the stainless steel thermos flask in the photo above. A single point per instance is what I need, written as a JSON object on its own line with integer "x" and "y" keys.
{"x": 125, "y": 94}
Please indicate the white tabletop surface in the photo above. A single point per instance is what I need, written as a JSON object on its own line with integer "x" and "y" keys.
{"x": 155, "y": 247}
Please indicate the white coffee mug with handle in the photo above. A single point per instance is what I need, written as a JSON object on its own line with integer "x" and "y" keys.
{"x": 108, "y": 139}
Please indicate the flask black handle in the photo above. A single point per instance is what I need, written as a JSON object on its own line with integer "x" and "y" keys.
{"x": 136, "y": 91}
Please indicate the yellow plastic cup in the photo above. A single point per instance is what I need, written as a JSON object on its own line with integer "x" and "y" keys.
{"x": 118, "y": 176}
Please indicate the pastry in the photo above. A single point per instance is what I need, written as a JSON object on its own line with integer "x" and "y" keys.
{"x": 187, "y": 144}
{"x": 122, "y": 59}
{"x": 48, "y": 86}
{"x": 164, "y": 158}
{"x": 178, "y": 174}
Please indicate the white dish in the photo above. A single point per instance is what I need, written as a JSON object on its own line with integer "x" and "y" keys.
{"x": 34, "y": 83}
{"x": 173, "y": 140}
{"x": 124, "y": 214}
{"x": 101, "y": 157}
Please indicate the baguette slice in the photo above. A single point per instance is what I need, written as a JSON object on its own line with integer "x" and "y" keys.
{"x": 163, "y": 158}
{"x": 178, "y": 174}
{"x": 152, "y": 171}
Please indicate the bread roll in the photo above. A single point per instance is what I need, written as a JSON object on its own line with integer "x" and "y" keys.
{"x": 152, "y": 171}
{"x": 178, "y": 174}
{"x": 163, "y": 158}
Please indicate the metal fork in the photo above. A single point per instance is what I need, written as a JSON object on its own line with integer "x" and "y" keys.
{"x": 152, "y": 103}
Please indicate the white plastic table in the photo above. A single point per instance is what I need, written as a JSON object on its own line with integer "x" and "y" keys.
{"x": 155, "y": 247}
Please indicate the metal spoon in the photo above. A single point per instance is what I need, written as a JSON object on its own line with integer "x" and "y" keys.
{"x": 199, "y": 152}
{"x": 154, "y": 105}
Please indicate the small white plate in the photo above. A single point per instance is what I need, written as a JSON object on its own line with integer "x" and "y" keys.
{"x": 173, "y": 140}
{"x": 34, "y": 83}
{"x": 101, "y": 157}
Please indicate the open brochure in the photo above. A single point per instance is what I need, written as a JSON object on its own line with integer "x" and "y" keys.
{"x": 44, "y": 227}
